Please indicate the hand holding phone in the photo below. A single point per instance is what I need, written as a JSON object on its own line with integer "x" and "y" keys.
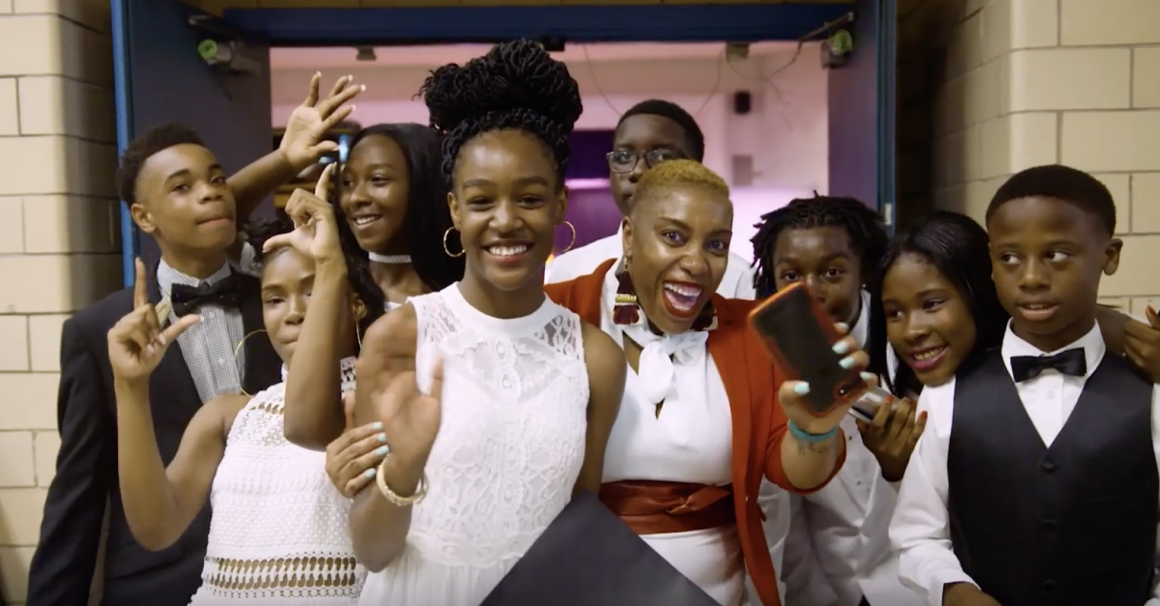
{"x": 892, "y": 434}
{"x": 823, "y": 364}
{"x": 867, "y": 405}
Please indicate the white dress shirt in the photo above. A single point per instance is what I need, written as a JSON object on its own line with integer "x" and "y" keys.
{"x": 211, "y": 348}
{"x": 736, "y": 284}
{"x": 920, "y": 528}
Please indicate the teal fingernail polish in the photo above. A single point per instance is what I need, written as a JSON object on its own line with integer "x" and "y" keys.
{"x": 848, "y": 362}
{"x": 868, "y": 376}
{"x": 378, "y": 425}
{"x": 841, "y": 347}
{"x": 382, "y": 451}
{"x": 383, "y": 436}
{"x": 801, "y": 389}
{"x": 370, "y": 473}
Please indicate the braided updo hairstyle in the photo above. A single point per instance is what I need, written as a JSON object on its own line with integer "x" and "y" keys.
{"x": 515, "y": 86}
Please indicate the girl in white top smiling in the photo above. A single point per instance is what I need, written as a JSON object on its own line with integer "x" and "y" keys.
{"x": 390, "y": 203}
{"x": 483, "y": 459}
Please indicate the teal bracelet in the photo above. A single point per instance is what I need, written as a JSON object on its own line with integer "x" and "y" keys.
{"x": 810, "y": 438}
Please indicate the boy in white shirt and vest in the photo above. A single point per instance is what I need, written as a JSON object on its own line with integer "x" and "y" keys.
{"x": 1035, "y": 483}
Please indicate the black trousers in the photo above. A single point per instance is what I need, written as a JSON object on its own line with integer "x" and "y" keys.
{"x": 863, "y": 602}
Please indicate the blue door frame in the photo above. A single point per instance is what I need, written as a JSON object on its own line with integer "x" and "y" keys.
{"x": 655, "y": 23}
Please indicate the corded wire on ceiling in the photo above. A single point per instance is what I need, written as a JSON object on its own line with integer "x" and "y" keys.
{"x": 767, "y": 79}
{"x": 722, "y": 61}
{"x": 596, "y": 82}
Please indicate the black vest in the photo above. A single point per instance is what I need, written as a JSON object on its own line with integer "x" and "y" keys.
{"x": 1073, "y": 524}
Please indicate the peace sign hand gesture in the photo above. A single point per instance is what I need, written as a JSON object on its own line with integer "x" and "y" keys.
{"x": 316, "y": 232}
{"x": 387, "y": 384}
{"x": 136, "y": 342}
{"x": 303, "y": 142}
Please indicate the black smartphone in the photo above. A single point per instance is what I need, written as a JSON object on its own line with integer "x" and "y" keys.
{"x": 867, "y": 404}
{"x": 800, "y": 336}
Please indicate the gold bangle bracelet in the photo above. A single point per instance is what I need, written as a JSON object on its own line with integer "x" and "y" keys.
{"x": 391, "y": 496}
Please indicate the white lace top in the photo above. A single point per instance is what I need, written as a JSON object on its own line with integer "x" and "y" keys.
{"x": 279, "y": 533}
{"x": 509, "y": 449}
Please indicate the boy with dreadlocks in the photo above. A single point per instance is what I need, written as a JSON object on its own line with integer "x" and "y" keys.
{"x": 832, "y": 244}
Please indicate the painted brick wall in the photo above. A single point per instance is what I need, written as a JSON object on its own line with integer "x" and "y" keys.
{"x": 58, "y": 240}
{"x": 990, "y": 87}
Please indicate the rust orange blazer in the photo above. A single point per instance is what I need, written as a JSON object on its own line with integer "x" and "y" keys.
{"x": 759, "y": 423}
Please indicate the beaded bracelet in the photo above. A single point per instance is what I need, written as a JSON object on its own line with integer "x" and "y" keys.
{"x": 395, "y": 499}
{"x": 810, "y": 438}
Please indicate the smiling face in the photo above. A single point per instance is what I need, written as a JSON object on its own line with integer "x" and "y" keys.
{"x": 1047, "y": 257}
{"x": 506, "y": 203}
{"x": 183, "y": 200}
{"x": 676, "y": 244}
{"x": 823, "y": 259}
{"x": 928, "y": 322}
{"x": 375, "y": 190}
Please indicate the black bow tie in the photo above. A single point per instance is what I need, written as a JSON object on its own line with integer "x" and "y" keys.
{"x": 186, "y": 299}
{"x": 1071, "y": 362}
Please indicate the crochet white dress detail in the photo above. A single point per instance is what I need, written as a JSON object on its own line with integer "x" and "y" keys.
{"x": 279, "y": 532}
{"x": 509, "y": 449}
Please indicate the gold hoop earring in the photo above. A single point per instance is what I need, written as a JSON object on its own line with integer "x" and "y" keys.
{"x": 572, "y": 242}
{"x": 238, "y": 350}
{"x": 447, "y": 250}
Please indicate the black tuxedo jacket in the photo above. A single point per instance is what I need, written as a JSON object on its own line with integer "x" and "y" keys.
{"x": 86, "y": 468}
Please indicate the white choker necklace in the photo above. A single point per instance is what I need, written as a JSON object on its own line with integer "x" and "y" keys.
{"x": 390, "y": 259}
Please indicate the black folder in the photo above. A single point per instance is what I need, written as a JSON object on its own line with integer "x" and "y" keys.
{"x": 588, "y": 557}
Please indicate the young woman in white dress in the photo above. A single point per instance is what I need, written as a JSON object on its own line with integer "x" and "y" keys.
{"x": 496, "y": 402}
{"x": 278, "y": 533}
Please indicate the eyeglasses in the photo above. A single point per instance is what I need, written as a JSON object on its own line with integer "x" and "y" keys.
{"x": 624, "y": 160}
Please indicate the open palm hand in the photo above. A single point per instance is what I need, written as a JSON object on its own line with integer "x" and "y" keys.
{"x": 304, "y": 141}
{"x": 387, "y": 384}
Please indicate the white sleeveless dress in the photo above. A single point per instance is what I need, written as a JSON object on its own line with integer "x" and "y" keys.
{"x": 280, "y": 532}
{"x": 509, "y": 449}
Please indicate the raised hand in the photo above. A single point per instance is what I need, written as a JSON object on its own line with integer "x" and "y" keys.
{"x": 136, "y": 341}
{"x": 351, "y": 459}
{"x": 1142, "y": 344}
{"x": 304, "y": 141}
{"x": 387, "y": 384}
{"x": 792, "y": 393}
{"x": 892, "y": 436}
{"x": 316, "y": 232}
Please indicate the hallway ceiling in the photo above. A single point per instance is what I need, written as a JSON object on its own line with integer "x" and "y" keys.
{"x": 339, "y": 57}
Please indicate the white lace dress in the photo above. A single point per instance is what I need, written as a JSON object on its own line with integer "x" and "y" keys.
{"x": 280, "y": 531}
{"x": 509, "y": 449}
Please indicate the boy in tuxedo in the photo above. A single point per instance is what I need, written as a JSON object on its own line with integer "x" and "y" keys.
{"x": 1035, "y": 482}
{"x": 178, "y": 193}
